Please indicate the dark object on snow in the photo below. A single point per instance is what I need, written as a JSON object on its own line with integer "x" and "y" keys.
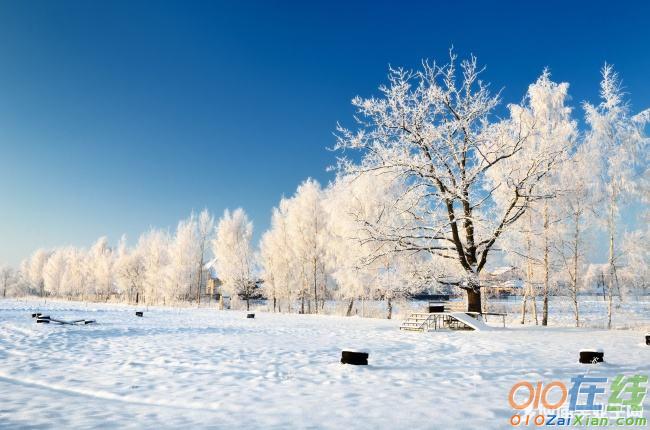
{"x": 139, "y": 314}
{"x": 250, "y": 315}
{"x": 46, "y": 319}
{"x": 353, "y": 357}
{"x": 36, "y": 315}
{"x": 436, "y": 308}
{"x": 647, "y": 338}
{"x": 591, "y": 356}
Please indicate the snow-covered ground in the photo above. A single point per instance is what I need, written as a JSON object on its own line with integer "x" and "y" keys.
{"x": 203, "y": 368}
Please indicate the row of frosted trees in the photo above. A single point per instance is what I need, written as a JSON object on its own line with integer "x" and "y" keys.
{"x": 441, "y": 189}
{"x": 160, "y": 268}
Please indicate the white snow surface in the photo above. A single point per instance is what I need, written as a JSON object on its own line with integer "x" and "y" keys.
{"x": 204, "y": 368}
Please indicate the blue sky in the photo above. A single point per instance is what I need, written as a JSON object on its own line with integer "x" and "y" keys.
{"x": 118, "y": 116}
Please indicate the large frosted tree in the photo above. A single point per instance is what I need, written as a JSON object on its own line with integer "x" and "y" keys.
{"x": 434, "y": 128}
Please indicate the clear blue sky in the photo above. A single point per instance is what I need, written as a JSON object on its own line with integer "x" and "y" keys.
{"x": 118, "y": 116}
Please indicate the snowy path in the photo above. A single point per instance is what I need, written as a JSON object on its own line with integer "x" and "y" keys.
{"x": 216, "y": 369}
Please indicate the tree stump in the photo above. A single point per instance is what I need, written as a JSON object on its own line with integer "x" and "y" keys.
{"x": 139, "y": 313}
{"x": 354, "y": 357}
{"x": 250, "y": 315}
{"x": 591, "y": 356}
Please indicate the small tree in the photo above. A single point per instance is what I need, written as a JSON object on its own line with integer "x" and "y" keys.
{"x": 278, "y": 260}
{"x": 622, "y": 145}
{"x": 7, "y": 279}
{"x": 234, "y": 255}
{"x": 205, "y": 232}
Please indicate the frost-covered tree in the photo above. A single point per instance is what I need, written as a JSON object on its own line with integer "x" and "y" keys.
{"x": 278, "y": 261}
{"x": 7, "y": 279}
{"x": 183, "y": 254}
{"x": 205, "y": 233}
{"x": 307, "y": 223}
{"x": 232, "y": 249}
{"x": 576, "y": 206}
{"x": 153, "y": 246}
{"x": 100, "y": 267}
{"x": 77, "y": 278}
{"x": 636, "y": 256}
{"x": 363, "y": 267}
{"x": 546, "y": 119}
{"x": 434, "y": 128}
{"x": 129, "y": 271}
{"x": 620, "y": 137}
{"x": 33, "y": 270}
{"x": 54, "y": 270}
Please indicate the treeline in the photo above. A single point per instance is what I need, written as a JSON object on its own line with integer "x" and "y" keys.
{"x": 443, "y": 190}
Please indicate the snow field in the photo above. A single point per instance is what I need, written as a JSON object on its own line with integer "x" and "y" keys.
{"x": 202, "y": 368}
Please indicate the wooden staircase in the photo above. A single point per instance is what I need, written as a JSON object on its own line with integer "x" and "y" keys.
{"x": 418, "y": 322}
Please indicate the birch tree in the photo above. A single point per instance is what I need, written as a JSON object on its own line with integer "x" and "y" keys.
{"x": 546, "y": 119}
{"x": 129, "y": 271}
{"x": 205, "y": 233}
{"x": 33, "y": 269}
{"x": 623, "y": 144}
{"x": 54, "y": 270}
{"x": 306, "y": 219}
{"x": 183, "y": 254}
{"x": 7, "y": 279}
{"x": 577, "y": 205}
{"x": 234, "y": 254}
{"x": 278, "y": 260}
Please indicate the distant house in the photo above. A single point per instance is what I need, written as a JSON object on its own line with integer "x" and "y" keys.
{"x": 503, "y": 281}
{"x": 212, "y": 284}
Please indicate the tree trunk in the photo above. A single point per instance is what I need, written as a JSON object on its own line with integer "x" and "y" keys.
{"x": 349, "y": 312}
{"x": 474, "y": 300}
{"x": 610, "y": 283}
{"x": 390, "y": 309}
{"x": 248, "y": 304}
{"x": 546, "y": 268}
{"x": 302, "y": 304}
{"x": 198, "y": 287}
{"x": 528, "y": 288}
{"x": 315, "y": 289}
{"x": 575, "y": 286}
